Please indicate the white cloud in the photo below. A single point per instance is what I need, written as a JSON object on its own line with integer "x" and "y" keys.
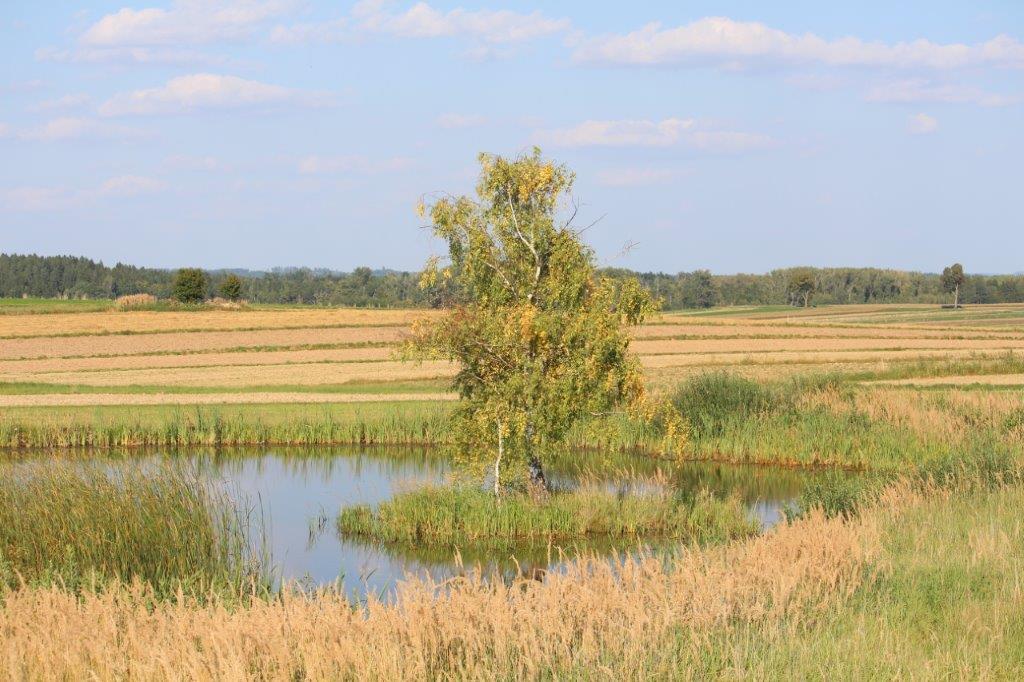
{"x": 633, "y": 177}
{"x": 324, "y": 32}
{"x": 922, "y": 124}
{"x": 318, "y": 165}
{"x": 72, "y": 128}
{"x": 193, "y": 163}
{"x": 185, "y": 22}
{"x": 486, "y": 26}
{"x": 73, "y": 101}
{"x": 643, "y": 133}
{"x": 460, "y": 121}
{"x": 151, "y": 56}
{"x": 5, "y": 130}
{"x": 130, "y": 186}
{"x": 33, "y": 198}
{"x": 202, "y": 91}
{"x": 723, "y": 42}
{"x": 921, "y": 90}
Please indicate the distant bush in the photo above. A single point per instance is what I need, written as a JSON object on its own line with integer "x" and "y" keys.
{"x": 225, "y": 304}
{"x": 189, "y": 285}
{"x": 231, "y": 287}
{"x": 709, "y": 401}
{"x": 135, "y": 302}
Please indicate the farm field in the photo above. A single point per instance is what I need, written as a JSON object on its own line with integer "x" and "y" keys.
{"x": 173, "y": 357}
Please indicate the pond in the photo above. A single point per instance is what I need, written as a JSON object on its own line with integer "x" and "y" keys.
{"x": 299, "y": 492}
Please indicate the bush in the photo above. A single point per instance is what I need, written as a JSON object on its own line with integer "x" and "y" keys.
{"x": 709, "y": 401}
{"x": 135, "y": 302}
{"x": 231, "y": 288}
{"x": 189, "y": 285}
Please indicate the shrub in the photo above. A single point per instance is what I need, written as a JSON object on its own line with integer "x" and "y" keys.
{"x": 709, "y": 401}
{"x": 135, "y": 302}
{"x": 231, "y": 287}
{"x": 189, "y": 285}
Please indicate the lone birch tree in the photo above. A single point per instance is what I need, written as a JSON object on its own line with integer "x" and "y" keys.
{"x": 540, "y": 340}
{"x": 953, "y": 278}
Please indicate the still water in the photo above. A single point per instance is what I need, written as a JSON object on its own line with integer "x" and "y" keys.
{"x": 298, "y": 493}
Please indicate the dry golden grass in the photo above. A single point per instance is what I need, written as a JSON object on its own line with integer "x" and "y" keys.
{"x": 962, "y": 380}
{"x": 589, "y": 616}
{"x": 757, "y": 344}
{"x": 247, "y": 398}
{"x": 129, "y": 344}
{"x": 194, "y": 360}
{"x": 208, "y": 320}
{"x": 308, "y": 374}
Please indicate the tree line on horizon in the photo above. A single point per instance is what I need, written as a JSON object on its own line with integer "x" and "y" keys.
{"x": 78, "y": 277}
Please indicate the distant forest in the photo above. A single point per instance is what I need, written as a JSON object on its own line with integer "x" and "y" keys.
{"x": 76, "y": 277}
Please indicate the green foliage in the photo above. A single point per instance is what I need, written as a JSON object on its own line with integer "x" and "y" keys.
{"x": 539, "y": 338}
{"x": 952, "y": 279}
{"x": 461, "y": 515}
{"x": 189, "y": 285}
{"x": 81, "y": 524}
{"x": 66, "y": 277}
{"x": 709, "y": 401}
{"x": 231, "y": 287}
{"x": 802, "y": 285}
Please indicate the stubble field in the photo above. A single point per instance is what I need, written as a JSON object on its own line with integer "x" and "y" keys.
{"x": 186, "y": 357}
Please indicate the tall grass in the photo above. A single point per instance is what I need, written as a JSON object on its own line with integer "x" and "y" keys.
{"x": 83, "y": 524}
{"x": 464, "y": 515}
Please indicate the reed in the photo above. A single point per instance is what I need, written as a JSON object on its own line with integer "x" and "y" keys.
{"x": 81, "y": 525}
{"x": 461, "y": 515}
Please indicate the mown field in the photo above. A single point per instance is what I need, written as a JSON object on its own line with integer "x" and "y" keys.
{"x": 184, "y": 357}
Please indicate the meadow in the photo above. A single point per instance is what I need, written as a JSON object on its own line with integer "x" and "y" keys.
{"x": 908, "y": 568}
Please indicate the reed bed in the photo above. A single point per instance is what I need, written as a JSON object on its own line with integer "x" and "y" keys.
{"x": 81, "y": 525}
{"x": 461, "y": 516}
{"x": 595, "y": 617}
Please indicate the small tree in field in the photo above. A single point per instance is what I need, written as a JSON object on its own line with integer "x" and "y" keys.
{"x": 231, "y": 287}
{"x": 953, "y": 278}
{"x": 802, "y": 285}
{"x": 539, "y": 338}
{"x": 189, "y": 285}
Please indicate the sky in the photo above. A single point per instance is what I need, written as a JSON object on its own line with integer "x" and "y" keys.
{"x": 736, "y": 136}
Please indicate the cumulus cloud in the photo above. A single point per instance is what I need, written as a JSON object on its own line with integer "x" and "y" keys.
{"x": 145, "y": 56}
{"x": 922, "y": 124}
{"x": 359, "y": 165}
{"x": 129, "y": 186}
{"x": 33, "y": 198}
{"x": 644, "y": 133}
{"x": 724, "y": 42}
{"x": 203, "y": 91}
{"x": 633, "y": 177}
{"x": 460, "y": 120}
{"x": 185, "y": 22}
{"x": 486, "y": 26}
{"x": 921, "y": 90}
{"x": 73, "y": 101}
{"x": 73, "y": 128}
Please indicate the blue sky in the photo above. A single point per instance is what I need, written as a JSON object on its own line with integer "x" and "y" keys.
{"x": 736, "y": 136}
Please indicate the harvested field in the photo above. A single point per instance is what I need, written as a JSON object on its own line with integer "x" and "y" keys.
{"x": 140, "y": 322}
{"x": 182, "y": 355}
{"x": 84, "y": 399}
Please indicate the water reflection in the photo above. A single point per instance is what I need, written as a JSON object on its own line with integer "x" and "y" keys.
{"x": 301, "y": 490}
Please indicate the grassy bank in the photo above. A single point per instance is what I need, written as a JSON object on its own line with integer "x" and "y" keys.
{"x": 822, "y": 420}
{"x": 80, "y": 525}
{"x": 463, "y": 515}
{"x": 285, "y": 424}
{"x": 925, "y": 583}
